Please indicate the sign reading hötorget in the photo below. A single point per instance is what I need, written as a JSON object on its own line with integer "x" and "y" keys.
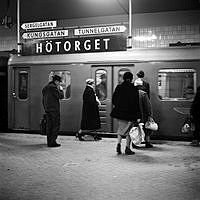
{"x": 75, "y": 45}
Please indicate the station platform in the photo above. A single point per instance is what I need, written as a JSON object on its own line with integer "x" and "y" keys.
{"x": 91, "y": 170}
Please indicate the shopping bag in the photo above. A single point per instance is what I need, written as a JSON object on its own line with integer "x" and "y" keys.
{"x": 151, "y": 125}
{"x": 137, "y": 134}
{"x": 188, "y": 126}
{"x": 43, "y": 125}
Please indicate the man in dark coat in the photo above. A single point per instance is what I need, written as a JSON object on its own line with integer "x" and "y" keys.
{"x": 90, "y": 121}
{"x": 52, "y": 93}
{"x": 126, "y": 109}
{"x": 195, "y": 113}
{"x": 141, "y": 84}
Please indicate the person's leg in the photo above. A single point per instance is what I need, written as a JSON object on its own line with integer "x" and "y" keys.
{"x": 80, "y": 135}
{"x": 119, "y": 141}
{"x": 55, "y": 119}
{"x": 196, "y": 134}
{"x": 128, "y": 142}
{"x": 147, "y": 138}
{"x": 49, "y": 128}
{"x": 123, "y": 128}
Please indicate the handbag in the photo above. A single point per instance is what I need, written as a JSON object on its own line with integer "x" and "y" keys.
{"x": 137, "y": 134}
{"x": 43, "y": 125}
{"x": 151, "y": 125}
{"x": 188, "y": 126}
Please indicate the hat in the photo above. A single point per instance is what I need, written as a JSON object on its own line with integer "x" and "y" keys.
{"x": 57, "y": 78}
{"x": 140, "y": 74}
{"x": 89, "y": 81}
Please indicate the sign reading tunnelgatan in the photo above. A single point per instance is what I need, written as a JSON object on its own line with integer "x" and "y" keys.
{"x": 75, "y": 45}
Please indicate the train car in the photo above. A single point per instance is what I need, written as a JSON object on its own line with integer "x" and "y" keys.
{"x": 173, "y": 74}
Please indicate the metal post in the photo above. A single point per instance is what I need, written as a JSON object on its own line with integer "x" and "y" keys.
{"x": 18, "y": 28}
{"x": 130, "y": 25}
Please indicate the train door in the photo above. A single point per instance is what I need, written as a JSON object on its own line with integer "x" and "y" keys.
{"x": 103, "y": 86}
{"x": 118, "y": 72}
{"x": 21, "y": 98}
{"x": 106, "y": 79}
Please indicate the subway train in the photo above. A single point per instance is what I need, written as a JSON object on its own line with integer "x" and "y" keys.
{"x": 173, "y": 74}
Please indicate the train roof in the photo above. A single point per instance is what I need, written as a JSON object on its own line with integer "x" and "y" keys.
{"x": 135, "y": 55}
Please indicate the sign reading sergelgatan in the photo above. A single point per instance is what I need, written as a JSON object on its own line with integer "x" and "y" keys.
{"x": 75, "y": 45}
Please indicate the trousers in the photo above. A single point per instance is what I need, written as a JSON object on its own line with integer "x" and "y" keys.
{"x": 52, "y": 127}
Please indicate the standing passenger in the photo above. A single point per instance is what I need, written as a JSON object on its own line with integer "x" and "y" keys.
{"x": 90, "y": 121}
{"x": 52, "y": 93}
{"x": 195, "y": 113}
{"x": 143, "y": 85}
{"x": 126, "y": 110}
{"x": 146, "y": 114}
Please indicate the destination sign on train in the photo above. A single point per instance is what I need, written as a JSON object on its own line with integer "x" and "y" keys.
{"x": 36, "y": 25}
{"x": 45, "y": 34}
{"x": 75, "y": 45}
{"x": 100, "y": 30}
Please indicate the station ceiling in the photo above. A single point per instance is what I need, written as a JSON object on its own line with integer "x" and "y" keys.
{"x": 41, "y": 10}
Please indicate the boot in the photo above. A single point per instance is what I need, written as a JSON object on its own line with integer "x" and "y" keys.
{"x": 195, "y": 143}
{"x": 118, "y": 149}
{"x": 148, "y": 145}
{"x": 128, "y": 151}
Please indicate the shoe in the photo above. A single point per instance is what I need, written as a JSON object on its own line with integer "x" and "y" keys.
{"x": 128, "y": 151}
{"x": 135, "y": 146}
{"x": 96, "y": 138}
{"x": 118, "y": 149}
{"x": 54, "y": 145}
{"x": 79, "y": 136}
{"x": 148, "y": 145}
{"x": 195, "y": 143}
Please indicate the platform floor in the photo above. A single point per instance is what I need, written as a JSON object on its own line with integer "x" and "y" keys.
{"x": 92, "y": 170}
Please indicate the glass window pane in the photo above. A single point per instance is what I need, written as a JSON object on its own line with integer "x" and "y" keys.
{"x": 176, "y": 84}
{"x": 66, "y": 81}
{"x": 23, "y": 85}
{"x": 121, "y": 74}
{"x": 101, "y": 84}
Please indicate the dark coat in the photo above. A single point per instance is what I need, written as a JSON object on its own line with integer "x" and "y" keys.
{"x": 145, "y": 87}
{"x": 51, "y": 96}
{"x": 90, "y": 111}
{"x": 195, "y": 108}
{"x": 145, "y": 106}
{"x": 126, "y": 102}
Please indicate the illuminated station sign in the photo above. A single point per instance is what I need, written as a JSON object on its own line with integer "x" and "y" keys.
{"x": 45, "y": 42}
{"x": 75, "y": 45}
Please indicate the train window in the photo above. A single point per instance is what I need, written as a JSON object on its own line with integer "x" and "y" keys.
{"x": 176, "y": 84}
{"x": 23, "y": 85}
{"x": 121, "y": 74}
{"x": 66, "y": 81}
{"x": 101, "y": 84}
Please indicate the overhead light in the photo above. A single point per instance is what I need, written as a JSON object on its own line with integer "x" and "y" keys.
{"x": 145, "y": 38}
